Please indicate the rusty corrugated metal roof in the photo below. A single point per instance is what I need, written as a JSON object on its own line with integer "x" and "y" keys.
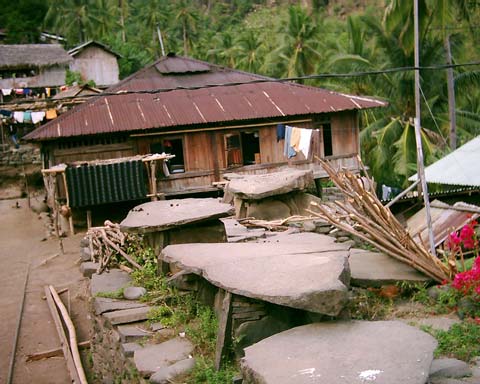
{"x": 144, "y": 111}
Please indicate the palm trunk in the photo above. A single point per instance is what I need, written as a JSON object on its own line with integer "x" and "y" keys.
{"x": 185, "y": 44}
{"x": 451, "y": 95}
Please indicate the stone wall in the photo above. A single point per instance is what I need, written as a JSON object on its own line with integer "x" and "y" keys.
{"x": 110, "y": 365}
{"x": 26, "y": 154}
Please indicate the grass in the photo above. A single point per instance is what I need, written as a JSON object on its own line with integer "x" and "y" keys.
{"x": 118, "y": 294}
{"x": 367, "y": 305}
{"x": 461, "y": 341}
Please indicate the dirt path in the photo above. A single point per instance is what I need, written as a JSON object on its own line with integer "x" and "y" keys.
{"x": 21, "y": 247}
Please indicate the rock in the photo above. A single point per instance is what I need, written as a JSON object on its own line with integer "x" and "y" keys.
{"x": 342, "y": 239}
{"x": 309, "y": 226}
{"x": 162, "y": 215}
{"x": 449, "y": 368}
{"x": 130, "y": 333}
{"x": 374, "y": 269}
{"x": 267, "y": 209}
{"x": 387, "y": 352}
{"x": 251, "y": 332}
{"x": 109, "y": 282}
{"x": 127, "y": 315}
{"x": 103, "y": 304}
{"x": 237, "y": 232}
{"x": 305, "y": 271}
{"x": 256, "y": 187}
{"x": 167, "y": 374}
{"x": 88, "y": 268}
{"x": 134, "y": 293}
{"x": 152, "y": 358}
{"x": 156, "y": 327}
{"x": 84, "y": 242}
{"x": 129, "y": 348}
{"x": 443, "y": 380}
{"x": 85, "y": 254}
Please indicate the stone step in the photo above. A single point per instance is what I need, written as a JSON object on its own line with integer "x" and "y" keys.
{"x": 152, "y": 358}
{"x": 127, "y": 315}
{"x": 133, "y": 332}
{"x": 104, "y": 304}
{"x": 167, "y": 374}
{"x": 128, "y": 349}
{"x": 109, "y": 282}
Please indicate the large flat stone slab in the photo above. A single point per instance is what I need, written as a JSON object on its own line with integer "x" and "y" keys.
{"x": 103, "y": 304}
{"x": 374, "y": 269}
{"x": 109, "y": 282}
{"x": 127, "y": 315}
{"x": 256, "y": 187}
{"x": 160, "y": 356}
{"x": 306, "y": 271}
{"x": 166, "y": 214}
{"x": 383, "y": 352}
{"x": 237, "y": 232}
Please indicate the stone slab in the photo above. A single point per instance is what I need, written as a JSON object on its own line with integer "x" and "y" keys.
{"x": 387, "y": 352}
{"x": 162, "y": 215}
{"x": 109, "y": 282}
{"x": 374, "y": 269}
{"x": 442, "y": 323}
{"x": 159, "y": 356}
{"x": 127, "y": 315}
{"x": 103, "y": 304}
{"x": 237, "y": 232}
{"x": 449, "y": 368}
{"x": 128, "y": 349}
{"x": 166, "y": 375}
{"x": 305, "y": 271}
{"x": 256, "y": 187}
{"x": 133, "y": 332}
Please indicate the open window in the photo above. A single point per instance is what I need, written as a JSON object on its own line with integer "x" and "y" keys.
{"x": 172, "y": 146}
{"x": 242, "y": 148}
{"x": 327, "y": 140}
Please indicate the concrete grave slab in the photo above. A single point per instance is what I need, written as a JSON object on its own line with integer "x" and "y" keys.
{"x": 374, "y": 269}
{"x": 256, "y": 187}
{"x": 237, "y": 232}
{"x": 162, "y": 215}
{"x": 109, "y": 282}
{"x": 103, "y": 304}
{"x": 387, "y": 352}
{"x": 306, "y": 271}
{"x": 152, "y": 358}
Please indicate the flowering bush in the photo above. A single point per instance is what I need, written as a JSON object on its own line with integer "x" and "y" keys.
{"x": 468, "y": 282}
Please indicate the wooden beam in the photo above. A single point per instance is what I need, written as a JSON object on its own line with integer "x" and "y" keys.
{"x": 54, "y": 352}
{"x": 224, "y": 330}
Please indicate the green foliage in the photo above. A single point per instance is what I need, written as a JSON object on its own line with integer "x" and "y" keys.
{"x": 368, "y": 305}
{"x": 205, "y": 372}
{"x": 118, "y": 294}
{"x": 461, "y": 341}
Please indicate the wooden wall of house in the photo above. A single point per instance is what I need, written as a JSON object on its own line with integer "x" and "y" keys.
{"x": 345, "y": 139}
{"x": 46, "y": 77}
{"x": 94, "y": 63}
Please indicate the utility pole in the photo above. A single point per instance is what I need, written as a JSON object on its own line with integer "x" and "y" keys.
{"x": 451, "y": 93}
{"x": 418, "y": 136}
{"x": 160, "y": 39}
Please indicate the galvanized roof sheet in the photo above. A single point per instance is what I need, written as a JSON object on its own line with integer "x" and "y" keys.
{"x": 459, "y": 167}
{"x": 131, "y": 112}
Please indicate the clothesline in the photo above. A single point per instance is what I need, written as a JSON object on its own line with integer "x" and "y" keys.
{"x": 296, "y": 140}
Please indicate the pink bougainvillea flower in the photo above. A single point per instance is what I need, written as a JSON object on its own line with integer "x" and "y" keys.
{"x": 453, "y": 241}
{"x": 467, "y": 236}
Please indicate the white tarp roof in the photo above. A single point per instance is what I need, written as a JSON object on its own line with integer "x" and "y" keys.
{"x": 460, "y": 167}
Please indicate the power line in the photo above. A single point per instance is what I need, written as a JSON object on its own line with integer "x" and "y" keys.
{"x": 259, "y": 81}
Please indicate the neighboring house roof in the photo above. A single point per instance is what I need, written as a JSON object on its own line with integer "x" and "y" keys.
{"x": 75, "y": 51}
{"x": 459, "y": 167}
{"x": 18, "y": 56}
{"x": 76, "y": 90}
{"x": 158, "y": 106}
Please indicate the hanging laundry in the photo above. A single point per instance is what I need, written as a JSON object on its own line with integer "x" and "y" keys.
{"x": 19, "y": 91}
{"x": 288, "y": 150}
{"x": 295, "y": 139}
{"x": 47, "y": 91}
{"x": 5, "y": 113}
{"x": 305, "y": 139}
{"x": 27, "y": 117}
{"x": 280, "y": 132}
{"x": 51, "y": 114}
{"x": 6, "y": 91}
{"x": 27, "y": 91}
{"x": 37, "y": 117}
{"x": 18, "y": 116}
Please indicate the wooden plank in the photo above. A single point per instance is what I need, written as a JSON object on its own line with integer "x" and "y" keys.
{"x": 54, "y": 352}
{"x": 62, "y": 336}
{"x": 224, "y": 330}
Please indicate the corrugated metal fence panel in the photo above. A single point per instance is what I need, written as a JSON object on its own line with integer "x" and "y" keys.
{"x": 90, "y": 185}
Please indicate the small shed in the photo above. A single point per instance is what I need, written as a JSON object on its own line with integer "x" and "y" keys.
{"x": 95, "y": 61}
{"x": 33, "y": 65}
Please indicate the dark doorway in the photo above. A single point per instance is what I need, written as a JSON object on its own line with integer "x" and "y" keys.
{"x": 250, "y": 148}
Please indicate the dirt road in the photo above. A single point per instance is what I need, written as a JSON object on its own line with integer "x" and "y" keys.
{"x": 21, "y": 247}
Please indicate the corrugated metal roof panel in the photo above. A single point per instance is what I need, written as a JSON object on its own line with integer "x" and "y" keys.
{"x": 459, "y": 167}
{"x": 133, "y": 112}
